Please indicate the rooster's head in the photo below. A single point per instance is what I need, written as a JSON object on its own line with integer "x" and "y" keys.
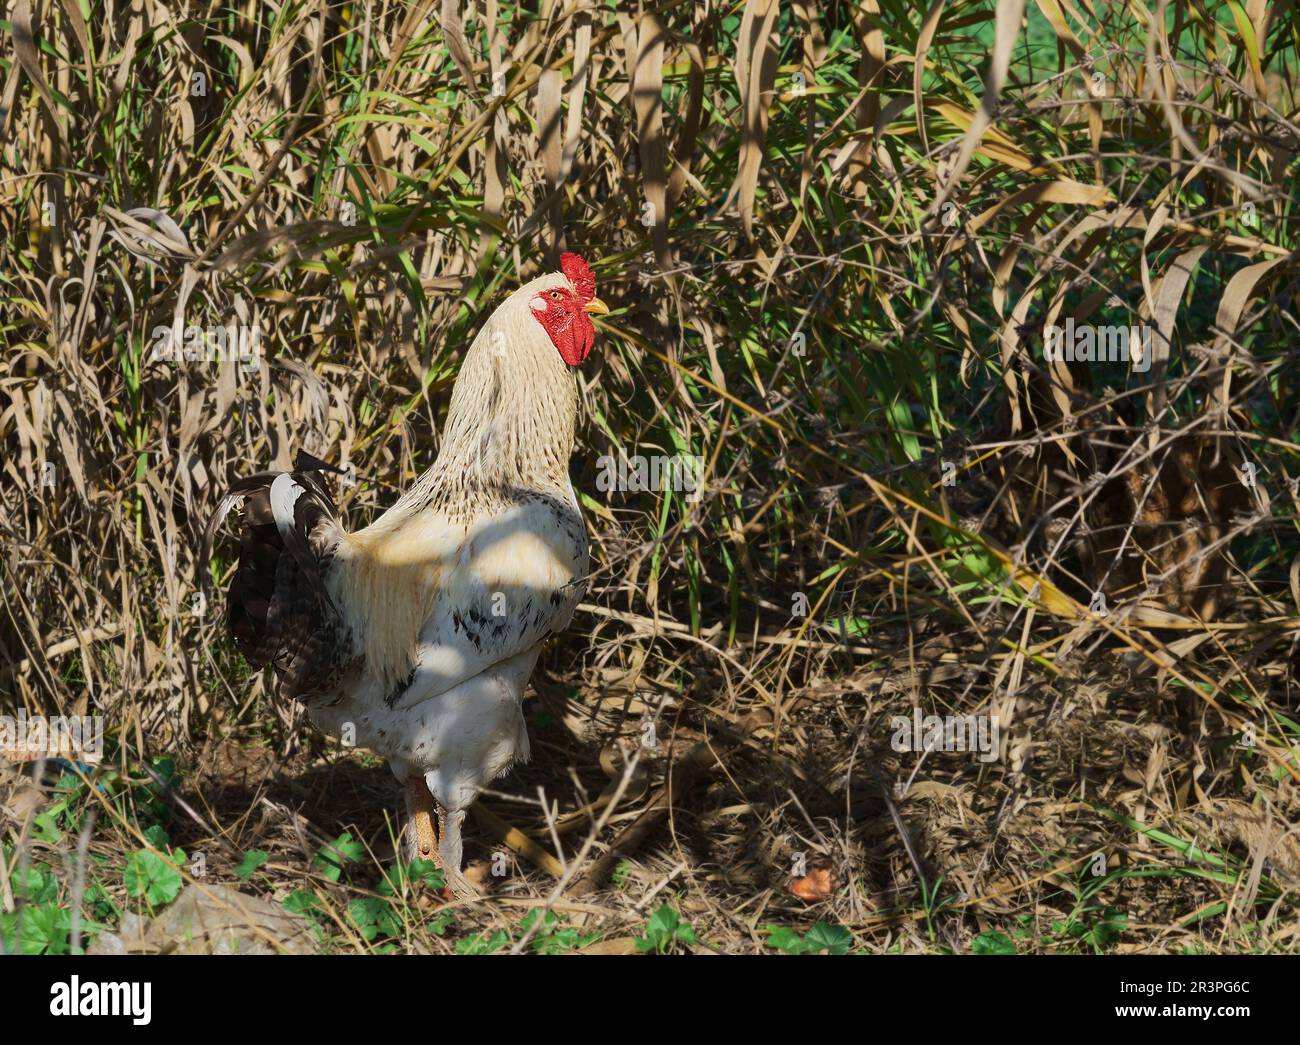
{"x": 564, "y": 306}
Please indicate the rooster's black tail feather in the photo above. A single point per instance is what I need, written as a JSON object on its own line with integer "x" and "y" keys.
{"x": 279, "y": 610}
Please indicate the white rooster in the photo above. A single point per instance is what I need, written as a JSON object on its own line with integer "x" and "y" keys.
{"x": 417, "y": 634}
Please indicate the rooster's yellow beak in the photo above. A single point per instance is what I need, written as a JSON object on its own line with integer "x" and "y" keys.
{"x": 596, "y": 307}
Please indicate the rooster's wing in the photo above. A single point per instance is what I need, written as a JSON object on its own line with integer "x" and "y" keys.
{"x": 514, "y": 578}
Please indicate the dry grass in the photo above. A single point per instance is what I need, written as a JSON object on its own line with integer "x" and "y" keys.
{"x": 863, "y": 219}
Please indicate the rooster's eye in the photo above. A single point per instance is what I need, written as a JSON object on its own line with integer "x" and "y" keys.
{"x": 555, "y": 295}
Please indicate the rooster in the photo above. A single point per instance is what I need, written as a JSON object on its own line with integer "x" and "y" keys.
{"x": 416, "y": 635}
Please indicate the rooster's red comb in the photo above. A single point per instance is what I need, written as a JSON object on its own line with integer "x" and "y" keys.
{"x": 578, "y": 272}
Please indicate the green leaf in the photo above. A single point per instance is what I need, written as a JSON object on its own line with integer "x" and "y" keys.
{"x": 662, "y": 930}
{"x": 1105, "y": 933}
{"x": 785, "y": 939}
{"x": 553, "y": 936}
{"x": 149, "y": 875}
{"x": 165, "y": 774}
{"x": 822, "y": 937}
{"x": 848, "y": 626}
{"x": 37, "y": 886}
{"x": 483, "y": 944}
{"x": 548, "y": 918}
{"x": 426, "y": 872}
{"x": 992, "y": 943}
{"x": 300, "y": 901}
{"x": 373, "y": 917}
{"x": 332, "y": 858}
{"x": 441, "y": 922}
{"x": 70, "y": 784}
{"x": 662, "y": 925}
{"x": 50, "y": 926}
{"x": 419, "y": 871}
{"x": 37, "y": 929}
{"x": 253, "y": 859}
{"x": 46, "y": 829}
{"x": 833, "y": 939}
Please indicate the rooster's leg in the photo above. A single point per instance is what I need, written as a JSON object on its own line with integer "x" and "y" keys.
{"x": 449, "y": 823}
{"x": 442, "y": 844}
{"x": 422, "y": 808}
{"x": 449, "y": 837}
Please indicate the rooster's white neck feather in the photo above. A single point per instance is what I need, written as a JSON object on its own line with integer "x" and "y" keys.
{"x": 510, "y": 425}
